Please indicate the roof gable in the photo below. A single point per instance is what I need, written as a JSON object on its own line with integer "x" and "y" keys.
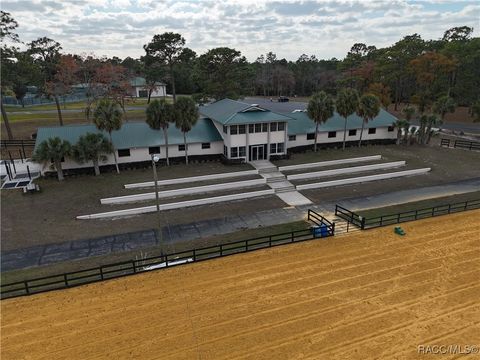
{"x": 231, "y": 112}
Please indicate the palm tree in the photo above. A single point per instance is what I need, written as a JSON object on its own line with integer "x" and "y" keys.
{"x": 320, "y": 108}
{"x": 368, "y": 109}
{"x": 53, "y": 149}
{"x": 421, "y": 133}
{"x": 92, "y": 147}
{"x": 409, "y": 112}
{"x": 401, "y": 124}
{"x": 444, "y": 105}
{"x": 108, "y": 117}
{"x": 186, "y": 116}
{"x": 346, "y": 104}
{"x": 159, "y": 115}
{"x": 432, "y": 121}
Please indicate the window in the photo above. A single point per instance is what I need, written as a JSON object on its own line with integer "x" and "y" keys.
{"x": 281, "y": 126}
{"x": 372, "y": 130}
{"x": 242, "y": 151}
{"x": 154, "y": 150}
{"x": 258, "y": 128}
{"x": 233, "y": 130}
{"x": 332, "y": 134}
{"x": 273, "y": 148}
{"x": 205, "y": 145}
{"x": 390, "y": 128}
{"x": 265, "y": 127}
{"x": 273, "y": 127}
{"x": 280, "y": 148}
{"x": 311, "y": 136}
{"x": 181, "y": 147}
{"x": 352, "y": 132}
{"x": 292, "y": 137}
{"x": 251, "y": 128}
{"x": 123, "y": 152}
{"x": 234, "y": 152}
{"x": 241, "y": 129}
{"x": 225, "y": 129}
{"x": 225, "y": 151}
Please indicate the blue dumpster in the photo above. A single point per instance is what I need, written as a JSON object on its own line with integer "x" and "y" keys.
{"x": 320, "y": 231}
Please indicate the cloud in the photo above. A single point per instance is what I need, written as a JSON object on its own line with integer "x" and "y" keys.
{"x": 325, "y": 28}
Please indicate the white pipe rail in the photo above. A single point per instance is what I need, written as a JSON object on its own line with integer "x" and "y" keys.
{"x": 330, "y": 163}
{"x": 177, "y": 205}
{"x": 184, "y": 191}
{"x": 348, "y": 170}
{"x": 193, "y": 179}
{"x": 363, "y": 179}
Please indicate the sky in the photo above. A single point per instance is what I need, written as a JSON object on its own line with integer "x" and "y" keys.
{"x": 289, "y": 28}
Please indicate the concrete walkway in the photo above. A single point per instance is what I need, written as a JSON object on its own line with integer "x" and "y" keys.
{"x": 284, "y": 189}
{"x": 72, "y": 250}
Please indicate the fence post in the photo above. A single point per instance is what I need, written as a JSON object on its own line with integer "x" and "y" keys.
{"x": 27, "y": 290}
{"x": 65, "y": 280}
{"x": 348, "y": 225}
{"x": 293, "y": 237}
{"x": 28, "y": 171}
{"x": 363, "y": 223}
{"x": 270, "y": 241}
{"x": 449, "y": 208}
{"x": 416, "y": 214}
{"x": 134, "y": 267}
{"x": 221, "y": 250}
{"x": 466, "y": 205}
{"x": 101, "y": 272}
{"x": 194, "y": 255}
{"x": 21, "y": 157}
{"x": 398, "y": 218}
{"x": 381, "y": 220}
{"x": 333, "y": 228}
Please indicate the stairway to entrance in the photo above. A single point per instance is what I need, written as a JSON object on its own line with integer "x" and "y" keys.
{"x": 283, "y": 188}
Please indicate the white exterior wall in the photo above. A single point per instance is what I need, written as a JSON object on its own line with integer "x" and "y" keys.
{"x": 142, "y": 154}
{"x": 158, "y": 92}
{"x": 382, "y": 133}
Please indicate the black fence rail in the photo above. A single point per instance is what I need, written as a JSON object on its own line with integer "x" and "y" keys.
{"x": 324, "y": 225}
{"x": 461, "y": 144}
{"x": 131, "y": 267}
{"x": 389, "y": 219}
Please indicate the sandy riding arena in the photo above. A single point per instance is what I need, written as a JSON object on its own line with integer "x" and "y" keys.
{"x": 371, "y": 294}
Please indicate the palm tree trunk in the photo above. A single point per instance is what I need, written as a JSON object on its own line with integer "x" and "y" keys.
{"x": 165, "y": 134}
{"x": 114, "y": 153}
{"x": 316, "y": 134}
{"x": 186, "y": 148}
{"x": 59, "y": 110}
{"x": 344, "y": 133}
{"x": 5, "y": 119}
{"x": 96, "y": 167}
{"x": 149, "y": 95}
{"x": 399, "y": 135}
{"x": 58, "y": 167}
{"x": 361, "y": 133}
{"x": 172, "y": 76}
{"x": 405, "y": 136}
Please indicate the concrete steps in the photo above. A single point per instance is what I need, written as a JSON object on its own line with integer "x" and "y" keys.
{"x": 285, "y": 189}
{"x": 276, "y": 178}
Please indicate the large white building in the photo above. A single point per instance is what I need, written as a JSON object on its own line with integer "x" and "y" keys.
{"x": 234, "y": 130}
{"x": 139, "y": 88}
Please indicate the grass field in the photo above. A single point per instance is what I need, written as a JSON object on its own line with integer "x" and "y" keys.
{"x": 424, "y": 204}
{"x": 366, "y": 295}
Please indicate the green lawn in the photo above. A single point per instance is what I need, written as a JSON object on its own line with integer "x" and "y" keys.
{"x": 417, "y": 205}
{"x": 76, "y": 265}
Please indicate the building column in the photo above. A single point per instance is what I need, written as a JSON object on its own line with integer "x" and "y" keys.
{"x": 268, "y": 142}
{"x": 247, "y": 150}
{"x": 285, "y": 138}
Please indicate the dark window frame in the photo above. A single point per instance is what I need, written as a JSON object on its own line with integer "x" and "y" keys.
{"x": 311, "y": 136}
{"x": 280, "y": 148}
{"x": 273, "y": 148}
{"x": 372, "y": 131}
{"x": 273, "y": 126}
{"x": 292, "y": 137}
{"x": 206, "y": 145}
{"x": 152, "y": 150}
{"x": 391, "y": 128}
{"x": 242, "y": 129}
{"x": 242, "y": 151}
{"x": 352, "y": 132}
{"x": 123, "y": 152}
{"x": 181, "y": 147}
{"x": 234, "y": 152}
{"x": 281, "y": 126}
{"x": 233, "y": 129}
{"x": 332, "y": 134}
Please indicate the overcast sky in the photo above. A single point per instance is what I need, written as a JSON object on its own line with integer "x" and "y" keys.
{"x": 289, "y": 28}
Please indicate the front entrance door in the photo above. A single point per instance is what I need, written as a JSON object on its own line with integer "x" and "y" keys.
{"x": 257, "y": 152}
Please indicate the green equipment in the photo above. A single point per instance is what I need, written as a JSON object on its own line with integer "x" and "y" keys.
{"x": 399, "y": 231}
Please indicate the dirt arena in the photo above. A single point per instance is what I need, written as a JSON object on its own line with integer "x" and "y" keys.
{"x": 366, "y": 295}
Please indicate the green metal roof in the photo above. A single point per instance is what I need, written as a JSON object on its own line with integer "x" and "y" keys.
{"x": 231, "y": 112}
{"x": 135, "y": 134}
{"x": 300, "y": 123}
{"x": 140, "y": 81}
